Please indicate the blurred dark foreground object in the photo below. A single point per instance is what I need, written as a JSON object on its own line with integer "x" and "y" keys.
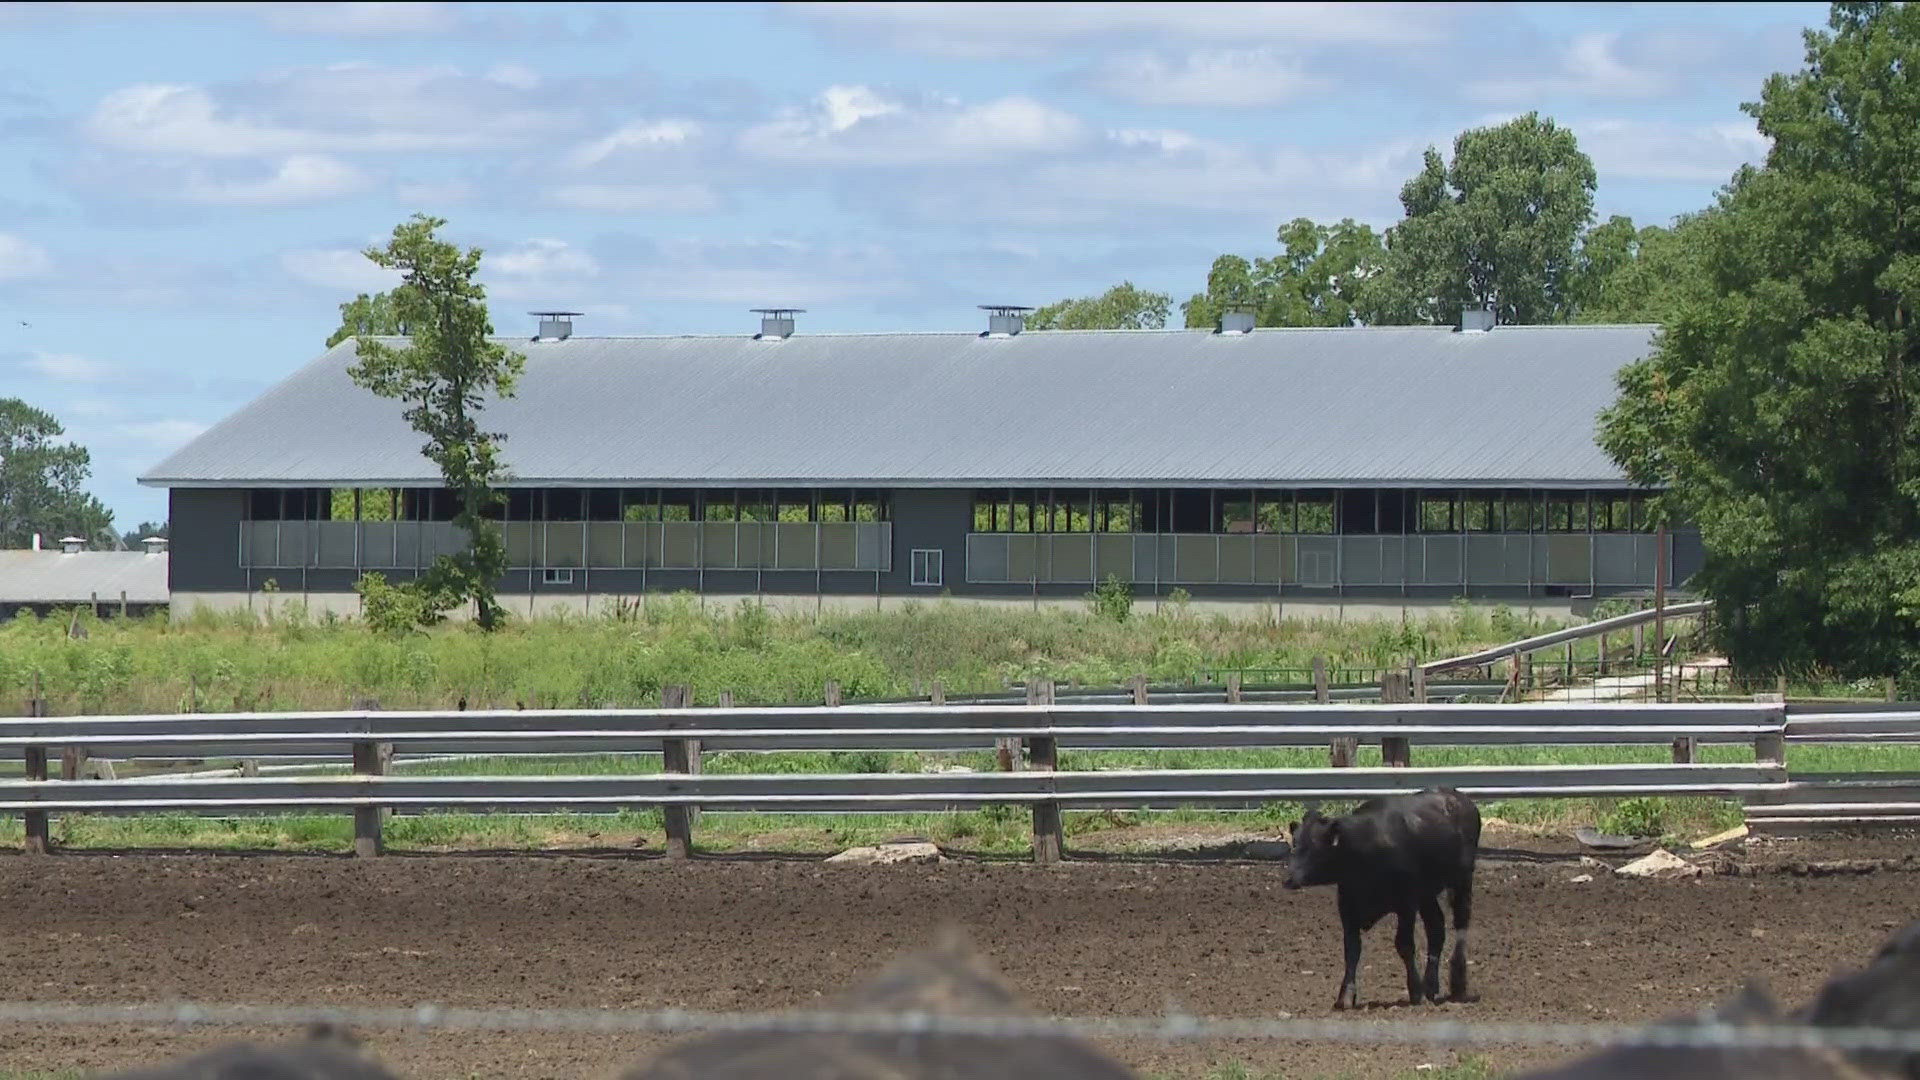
{"x": 949, "y": 979}
{"x": 327, "y": 1053}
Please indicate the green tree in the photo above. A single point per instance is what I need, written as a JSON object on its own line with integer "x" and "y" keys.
{"x": 132, "y": 539}
{"x": 1778, "y": 403}
{"x": 445, "y": 375}
{"x": 1628, "y": 275}
{"x": 368, "y": 316}
{"x": 1318, "y": 279}
{"x": 1122, "y": 307}
{"x": 1495, "y": 227}
{"x": 42, "y": 480}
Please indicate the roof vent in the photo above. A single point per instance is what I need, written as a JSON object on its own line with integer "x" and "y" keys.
{"x": 1005, "y": 320}
{"x": 156, "y": 545}
{"x": 554, "y": 325}
{"x": 1236, "y": 321}
{"x": 72, "y": 545}
{"x": 776, "y": 323}
{"x": 1478, "y": 318}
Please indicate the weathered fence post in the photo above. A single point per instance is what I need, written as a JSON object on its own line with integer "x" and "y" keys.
{"x": 1233, "y": 688}
{"x": 1417, "y": 676}
{"x": 35, "y": 821}
{"x": 1603, "y": 655}
{"x": 833, "y": 693}
{"x": 370, "y": 758}
{"x": 73, "y": 763}
{"x": 1396, "y": 688}
{"x": 1137, "y": 686}
{"x": 1771, "y": 748}
{"x": 679, "y": 756}
{"x": 1049, "y": 832}
{"x": 1684, "y": 750}
{"x": 937, "y": 697}
{"x": 1321, "y": 695}
{"x": 726, "y": 699}
{"x": 1893, "y": 689}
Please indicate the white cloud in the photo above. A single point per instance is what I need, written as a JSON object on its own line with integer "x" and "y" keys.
{"x": 854, "y": 125}
{"x": 301, "y": 178}
{"x": 21, "y": 258}
{"x": 637, "y": 198}
{"x": 1218, "y": 78}
{"x": 1589, "y": 66}
{"x": 517, "y": 76}
{"x": 1042, "y": 29}
{"x": 434, "y": 192}
{"x": 338, "y": 269}
{"x": 360, "y": 18}
{"x": 1665, "y": 150}
{"x": 72, "y": 368}
{"x": 639, "y": 135}
{"x": 543, "y": 259}
{"x": 340, "y": 108}
{"x": 165, "y": 434}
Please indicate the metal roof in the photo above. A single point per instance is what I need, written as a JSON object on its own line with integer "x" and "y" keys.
{"x": 1376, "y": 406}
{"x": 55, "y": 577}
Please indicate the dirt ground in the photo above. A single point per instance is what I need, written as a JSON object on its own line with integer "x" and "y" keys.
{"x": 1104, "y": 937}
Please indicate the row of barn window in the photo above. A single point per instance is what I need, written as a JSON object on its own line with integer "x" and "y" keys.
{"x": 1386, "y": 511}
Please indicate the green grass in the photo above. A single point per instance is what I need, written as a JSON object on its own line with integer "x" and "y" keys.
{"x": 222, "y": 664}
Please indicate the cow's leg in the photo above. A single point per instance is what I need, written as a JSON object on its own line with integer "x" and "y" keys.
{"x": 1462, "y": 919}
{"x": 1349, "y": 995}
{"x": 1436, "y": 921}
{"x": 1403, "y": 944}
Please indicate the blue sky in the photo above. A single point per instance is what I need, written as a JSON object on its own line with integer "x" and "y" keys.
{"x": 185, "y": 187}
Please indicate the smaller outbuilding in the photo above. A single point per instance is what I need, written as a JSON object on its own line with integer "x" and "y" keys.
{"x": 111, "y": 582}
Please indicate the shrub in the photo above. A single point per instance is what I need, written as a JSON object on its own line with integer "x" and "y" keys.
{"x": 1113, "y": 599}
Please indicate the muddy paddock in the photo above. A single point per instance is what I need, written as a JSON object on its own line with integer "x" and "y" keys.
{"x": 1217, "y": 938}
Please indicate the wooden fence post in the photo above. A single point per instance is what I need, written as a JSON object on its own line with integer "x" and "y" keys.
{"x": 833, "y": 693}
{"x": 38, "y": 840}
{"x": 679, "y": 756}
{"x": 1770, "y": 748}
{"x": 1603, "y": 655}
{"x": 1321, "y": 695}
{"x": 1396, "y": 688}
{"x": 726, "y": 699}
{"x": 1893, "y": 689}
{"x": 1418, "y": 676}
{"x": 370, "y": 758}
{"x": 1233, "y": 688}
{"x": 1049, "y": 832}
{"x": 938, "y": 696}
{"x": 1138, "y": 686}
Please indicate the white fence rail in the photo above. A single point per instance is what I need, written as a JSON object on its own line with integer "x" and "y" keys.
{"x": 1030, "y": 736}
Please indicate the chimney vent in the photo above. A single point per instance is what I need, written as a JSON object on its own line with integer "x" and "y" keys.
{"x": 1237, "y": 321}
{"x": 776, "y": 323}
{"x": 1005, "y": 320}
{"x": 1478, "y": 318}
{"x": 71, "y": 545}
{"x": 155, "y": 544}
{"x": 554, "y": 325}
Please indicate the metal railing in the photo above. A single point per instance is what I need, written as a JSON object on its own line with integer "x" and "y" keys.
{"x": 1024, "y": 735}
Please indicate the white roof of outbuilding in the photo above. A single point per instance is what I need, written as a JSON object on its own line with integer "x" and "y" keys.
{"x": 1379, "y": 406}
{"x": 55, "y": 577}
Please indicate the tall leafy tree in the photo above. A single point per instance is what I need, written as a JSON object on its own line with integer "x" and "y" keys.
{"x": 368, "y": 316}
{"x": 42, "y": 480}
{"x": 444, "y": 375}
{"x": 1123, "y": 307}
{"x": 133, "y": 538}
{"x": 1319, "y": 278}
{"x": 1497, "y": 226}
{"x": 1625, "y": 274}
{"x": 1779, "y": 403}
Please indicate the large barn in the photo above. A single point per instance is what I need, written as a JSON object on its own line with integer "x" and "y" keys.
{"x": 1382, "y": 467}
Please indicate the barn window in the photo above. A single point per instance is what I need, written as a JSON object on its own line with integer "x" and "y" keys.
{"x": 926, "y": 566}
{"x": 556, "y": 577}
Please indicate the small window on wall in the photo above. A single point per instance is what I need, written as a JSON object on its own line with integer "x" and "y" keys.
{"x": 925, "y": 564}
{"x": 556, "y": 577}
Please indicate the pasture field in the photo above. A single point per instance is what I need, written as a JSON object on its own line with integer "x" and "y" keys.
{"x": 1115, "y": 936}
{"x": 289, "y": 662}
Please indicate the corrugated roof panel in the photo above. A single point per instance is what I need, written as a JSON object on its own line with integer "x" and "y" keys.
{"x": 55, "y": 577}
{"x": 1386, "y": 405}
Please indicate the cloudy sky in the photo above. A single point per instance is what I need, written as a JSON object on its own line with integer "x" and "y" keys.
{"x": 186, "y": 187}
